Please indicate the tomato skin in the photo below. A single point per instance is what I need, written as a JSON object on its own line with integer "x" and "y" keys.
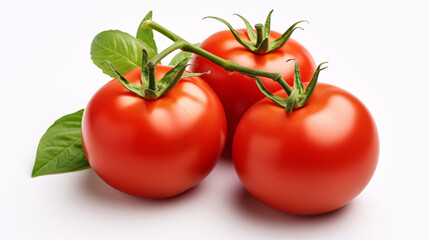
{"x": 312, "y": 161}
{"x": 158, "y": 148}
{"x": 237, "y": 91}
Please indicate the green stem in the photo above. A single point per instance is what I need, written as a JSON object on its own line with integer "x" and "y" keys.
{"x": 259, "y": 34}
{"x": 147, "y": 73}
{"x": 157, "y": 58}
{"x": 155, "y": 26}
{"x": 152, "y": 79}
{"x": 232, "y": 66}
{"x": 226, "y": 64}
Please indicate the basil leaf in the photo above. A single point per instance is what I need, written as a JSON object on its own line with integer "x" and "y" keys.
{"x": 60, "y": 148}
{"x": 121, "y": 49}
{"x": 146, "y": 36}
{"x": 180, "y": 56}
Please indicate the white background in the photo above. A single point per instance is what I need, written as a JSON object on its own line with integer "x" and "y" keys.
{"x": 376, "y": 49}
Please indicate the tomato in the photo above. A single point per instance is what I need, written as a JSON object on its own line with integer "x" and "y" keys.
{"x": 154, "y": 148}
{"x": 237, "y": 91}
{"x": 311, "y": 161}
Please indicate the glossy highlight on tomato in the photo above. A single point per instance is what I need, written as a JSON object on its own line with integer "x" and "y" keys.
{"x": 311, "y": 161}
{"x": 237, "y": 91}
{"x": 154, "y": 148}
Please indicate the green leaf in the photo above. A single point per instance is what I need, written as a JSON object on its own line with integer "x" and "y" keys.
{"x": 121, "y": 49}
{"x": 60, "y": 148}
{"x": 146, "y": 36}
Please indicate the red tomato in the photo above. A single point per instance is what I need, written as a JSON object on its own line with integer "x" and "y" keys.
{"x": 237, "y": 91}
{"x": 312, "y": 161}
{"x": 157, "y": 148}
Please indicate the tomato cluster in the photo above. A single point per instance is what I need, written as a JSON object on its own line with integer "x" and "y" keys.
{"x": 311, "y": 161}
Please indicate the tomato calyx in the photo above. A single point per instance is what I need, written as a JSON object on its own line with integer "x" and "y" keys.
{"x": 259, "y": 38}
{"x": 151, "y": 89}
{"x": 299, "y": 95}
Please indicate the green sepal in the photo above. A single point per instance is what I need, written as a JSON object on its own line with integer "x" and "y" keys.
{"x": 297, "y": 81}
{"x": 172, "y": 77}
{"x": 242, "y": 41}
{"x": 312, "y": 85}
{"x": 290, "y": 101}
{"x": 145, "y": 71}
{"x": 267, "y": 26}
{"x": 279, "y": 42}
{"x": 151, "y": 89}
{"x": 280, "y": 101}
{"x": 128, "y": 85}
{"x": 250, "y": 32}
{"x": 298, "y": 97}
{"x": 259, "y": 42}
